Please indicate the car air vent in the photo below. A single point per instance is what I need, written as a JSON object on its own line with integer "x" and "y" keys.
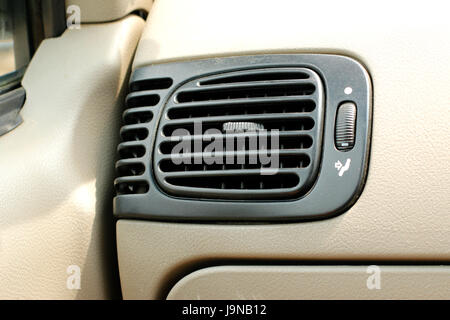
{"x": 268, "y": 122}
{"x": 249, "y": 138}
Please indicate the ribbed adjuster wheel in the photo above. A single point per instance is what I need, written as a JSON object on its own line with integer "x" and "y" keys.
{"x": 345, "y": 126}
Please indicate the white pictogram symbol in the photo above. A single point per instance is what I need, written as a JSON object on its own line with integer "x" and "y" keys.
{"x": 348, "y": 90}
{"x": 342, "y": 168}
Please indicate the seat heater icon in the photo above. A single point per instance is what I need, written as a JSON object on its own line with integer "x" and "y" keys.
{"x": 342, "y": 168}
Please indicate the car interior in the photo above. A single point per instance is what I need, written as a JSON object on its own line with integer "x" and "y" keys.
{"x": 224, "y": 150}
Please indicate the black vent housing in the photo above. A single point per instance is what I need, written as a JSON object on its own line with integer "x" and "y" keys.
{"x": 241, "y": 97}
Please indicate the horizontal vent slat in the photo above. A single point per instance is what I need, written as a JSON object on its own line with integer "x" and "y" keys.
{"x": 131, "y": 133}
{"x": 250, "y": 85}
{"x": 262, "y": 107}
{"x": 207, "y": 137}
{"x": 131, "y": 185}
{"x": 224, "y": 173}
{"x": 192, "y": 155}
{"x": 244, "y": 141}
{"x": 252, "y": 117}
{"x": 231, "y": 102}
{"x": 132, "y": 152}
{"x": 151, "y": 84}
{"x": 131, "y": 116}
{"x": 140, "y": 99}
{"x": 255, "y": 182}
{"x": 294, "y": 123}
{"x": 139, "y": 187}
{"x": 288, "y": 162}
{"x": 246, "y": 91}
{"x": 257, "y": 75}
{"x": 130, "y": 169}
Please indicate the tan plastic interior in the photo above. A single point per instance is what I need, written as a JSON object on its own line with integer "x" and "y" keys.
{"x": 314, "y": 282}
{"x": 403, "y": 212}
{"x": 57, "y": 167}
{"x": 107, "y": 10}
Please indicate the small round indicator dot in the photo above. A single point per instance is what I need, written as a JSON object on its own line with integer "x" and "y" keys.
{"x": 348, "y": 90}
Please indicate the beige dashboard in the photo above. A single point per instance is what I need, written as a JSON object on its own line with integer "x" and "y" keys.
{"x": 403, "y": 212}
{"x": 56, "y": 201}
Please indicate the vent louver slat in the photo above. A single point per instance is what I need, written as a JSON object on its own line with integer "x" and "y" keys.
{"x": 248, "y": 106}
{"x": 247, "y": 90}
{"x": 257, "y": 75}
{"x": 286, "y": 104}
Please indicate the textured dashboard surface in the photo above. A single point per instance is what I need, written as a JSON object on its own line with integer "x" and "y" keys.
{"x": 56, "y": 168}
{"x": 404, "y": 210}
{"x": 314, "y": 282}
